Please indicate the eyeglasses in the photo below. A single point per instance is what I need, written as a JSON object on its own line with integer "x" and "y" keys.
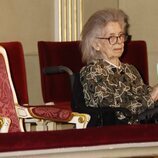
{"x": 114, "y": 39}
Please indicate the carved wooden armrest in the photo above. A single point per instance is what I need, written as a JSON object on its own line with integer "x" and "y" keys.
{"x": 4, "y": 124}
{"x": 81, "y": 119}
{"x": 54, "y": 114}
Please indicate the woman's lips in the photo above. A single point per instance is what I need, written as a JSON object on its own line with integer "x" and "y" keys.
{"x": 118, "y": 49}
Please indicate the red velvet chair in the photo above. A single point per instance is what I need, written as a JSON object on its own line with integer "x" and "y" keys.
{"x": 17, "y": 69}
{"x": 56, "y": 87}
{"x": 13, "y": 74}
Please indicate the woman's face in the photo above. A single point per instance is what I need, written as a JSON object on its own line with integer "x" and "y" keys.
{"x": 111, "y": 44}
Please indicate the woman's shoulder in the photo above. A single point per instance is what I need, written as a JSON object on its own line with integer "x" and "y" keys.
{"x": 93, "y": 65}
{"x": 130, "y": 67}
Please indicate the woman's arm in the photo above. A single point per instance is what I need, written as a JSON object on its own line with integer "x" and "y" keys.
{"x": 152, "y": 90}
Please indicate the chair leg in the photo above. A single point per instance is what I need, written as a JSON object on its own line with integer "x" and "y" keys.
{"x": 52, "y": 126}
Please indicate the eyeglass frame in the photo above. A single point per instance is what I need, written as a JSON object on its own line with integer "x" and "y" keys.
{"x": 125, "y": 37}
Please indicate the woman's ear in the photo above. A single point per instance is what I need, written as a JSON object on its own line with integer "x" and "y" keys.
{"x": 95, "y": 45}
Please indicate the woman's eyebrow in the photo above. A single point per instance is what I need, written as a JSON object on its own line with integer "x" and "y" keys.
{"x": 114, "y": 34}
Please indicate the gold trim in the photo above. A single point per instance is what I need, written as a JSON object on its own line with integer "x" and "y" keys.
{"x": 81, "y": 17}
{"x": 1, "y": 122}
{"x": 63, "y": 20}
{"x": 83, "y": 118}
{"x": 49, "y": 119}
{"x": 60, "y": 15}
{"x": 75, "y": 19}
{"x": 69, "y": 18}
{"x": 70, "y": 23}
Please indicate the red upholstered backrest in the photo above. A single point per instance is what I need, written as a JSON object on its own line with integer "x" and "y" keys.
{"x": 8, "y": 98}
{"x": 136, "y": 53}
{"x": 17, "y": 67}
{"x": 56, "y": 87}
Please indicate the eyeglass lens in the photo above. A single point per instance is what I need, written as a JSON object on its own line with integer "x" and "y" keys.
{"x": 114, "y": 39}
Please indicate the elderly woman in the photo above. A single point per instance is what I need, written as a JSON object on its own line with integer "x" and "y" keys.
{"x": 106, "y": 81}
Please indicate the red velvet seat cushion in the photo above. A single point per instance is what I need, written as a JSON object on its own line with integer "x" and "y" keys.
{"x": 51, "y": 113}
